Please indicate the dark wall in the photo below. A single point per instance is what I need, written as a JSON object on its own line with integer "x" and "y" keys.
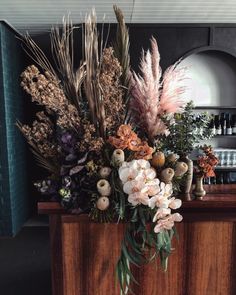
{"x": 14, "y": 197}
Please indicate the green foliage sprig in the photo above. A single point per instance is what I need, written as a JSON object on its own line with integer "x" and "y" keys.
{"x": 187, "y": 130}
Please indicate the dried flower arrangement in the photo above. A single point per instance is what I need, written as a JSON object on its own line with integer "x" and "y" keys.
{"x": 99, "y": 137}
{"x": 206, "y": 163}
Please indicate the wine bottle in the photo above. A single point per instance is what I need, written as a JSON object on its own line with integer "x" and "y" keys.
{"x": 233, "y": 124}
{"x": 212, "y": 126}
{"x": 218, "y": 126}
{"x": 228, "y": 125}
{"x": 223, "y": 123}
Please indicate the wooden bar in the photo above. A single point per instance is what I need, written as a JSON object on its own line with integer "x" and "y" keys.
{"x": 203, "y": 262}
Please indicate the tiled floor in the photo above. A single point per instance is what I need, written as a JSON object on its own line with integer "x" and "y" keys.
{"x": 25, "y": 263}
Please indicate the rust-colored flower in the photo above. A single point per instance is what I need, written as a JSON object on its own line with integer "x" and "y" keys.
{"x": 144, "y": 152}
{"x": 118, "y": 143}
{"x": 126, "y": 132}
{"x": 134, "y": 144}
{"x": 207, "y": 162}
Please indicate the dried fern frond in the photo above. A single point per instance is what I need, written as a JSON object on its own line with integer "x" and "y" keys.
{"x": 121, "y": 46}
{"x": 92, "y": 66}
{"x": 62, "y": 47}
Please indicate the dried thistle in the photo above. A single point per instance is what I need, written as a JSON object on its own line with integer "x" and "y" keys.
{"x": 111, "y": 90}
{"x": 46, "y": 91}
{"x": 62, "y": 47}
{"x": 92, "y": 65}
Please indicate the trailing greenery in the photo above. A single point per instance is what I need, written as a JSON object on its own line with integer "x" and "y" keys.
{"x": 140, "y": 246}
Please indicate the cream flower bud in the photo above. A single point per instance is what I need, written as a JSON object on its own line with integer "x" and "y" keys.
{"x": 104, "y": 172}
{"x": 103, "y": 187}
{"x": 180, "y": 169}
{"x": 103, "y": 203}
{"x": 118, "y": 156}
{"x": 167, "y": 175}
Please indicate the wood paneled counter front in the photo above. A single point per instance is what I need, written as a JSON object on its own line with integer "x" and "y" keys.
{"x": 203, "y": 262}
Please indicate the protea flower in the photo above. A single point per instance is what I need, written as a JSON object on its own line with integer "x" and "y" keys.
{"x": 152, "y": 98}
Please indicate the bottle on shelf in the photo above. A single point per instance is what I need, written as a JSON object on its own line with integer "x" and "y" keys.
{"x": 223, "y": 123}
{"x": 233, "y": 124}
{"x": 218, "y": 125}
{"x": 212, "y": 125}
{"x": 228, "y": 125}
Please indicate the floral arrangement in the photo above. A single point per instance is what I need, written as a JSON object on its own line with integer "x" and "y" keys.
{"x": 206, "y": 163}
{"x": 99, "y": 135}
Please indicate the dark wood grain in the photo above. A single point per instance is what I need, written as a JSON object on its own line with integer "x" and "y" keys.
{"x": 56, "y": 254}
{"x": 202, "y": 262}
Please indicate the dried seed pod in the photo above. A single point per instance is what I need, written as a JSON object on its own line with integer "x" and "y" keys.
{"x": 103, "y": 203}
{"x": 118, "y": 156}
{"x": 167, "y": 175}
{"x": 158, "y": 160}
{"x": 104, "y": 172}
{"x": 103, "y": 187}
{"x": 172, "y": 158}
{"x": 180, "y": 169}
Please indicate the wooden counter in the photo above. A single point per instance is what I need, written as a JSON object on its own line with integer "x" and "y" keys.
{"x": 203, "y": 262}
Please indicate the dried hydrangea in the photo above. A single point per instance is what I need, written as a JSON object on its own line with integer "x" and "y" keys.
{"x": 89, "y": 141}
{"x": 46, "y": 91}
{"x": 112, "y": 91}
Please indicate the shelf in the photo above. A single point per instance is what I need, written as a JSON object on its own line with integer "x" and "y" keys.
{"x": 215, "y": 107}
{"x": 222, "y": 168}
{"x": 225, "y": 136}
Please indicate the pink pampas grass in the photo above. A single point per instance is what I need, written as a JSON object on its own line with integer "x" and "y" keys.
{"x": 152, "y": 98}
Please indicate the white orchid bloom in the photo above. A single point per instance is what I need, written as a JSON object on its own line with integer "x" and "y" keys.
{"x": 175, "y": 203}
{"x": 161, "y": 213}
{"x": 167, "y": 222}
{"x": 138, "y": 198}
{"x": 134, "y": 186}
{"x": 143, "y": 164}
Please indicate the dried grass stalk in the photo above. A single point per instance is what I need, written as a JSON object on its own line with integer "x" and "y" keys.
{"x": 121, "y": 46}
{"x": 62, "y": 47}
{"x": 92, "y": 65}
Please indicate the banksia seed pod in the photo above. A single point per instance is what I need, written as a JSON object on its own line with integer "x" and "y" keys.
{"x": 167, "y": 175}
{"x": 118, "y": 156}
{"x": 180, "y": 169}
{"x": 103, "y": 187}
{"x": 172, "y": 158}
{"x": 102, "y": 203}
{"x": 158, "y": 160}
{"x": 104, "y": 172}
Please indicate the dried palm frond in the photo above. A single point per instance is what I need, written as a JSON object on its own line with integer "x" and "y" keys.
{"x": 92, "y": 66}
{"x": 121, "y": 47}
{"x": 62, "y": 47}
{"x": 36, "y": 54}
{"x": 145, "y": 93}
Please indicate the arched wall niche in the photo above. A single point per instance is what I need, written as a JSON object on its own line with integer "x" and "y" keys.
{"x": 211, "y": 73}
